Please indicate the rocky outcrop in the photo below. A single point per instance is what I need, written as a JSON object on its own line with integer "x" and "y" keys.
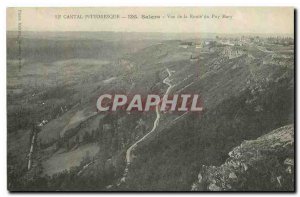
{"x": 266, "y": 163}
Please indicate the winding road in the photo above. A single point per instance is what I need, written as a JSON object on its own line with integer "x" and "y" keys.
{"x": 129, "y": 155}
{"x": 31, "y": 152}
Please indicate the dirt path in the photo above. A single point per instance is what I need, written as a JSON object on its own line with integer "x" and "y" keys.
{"x": 31, "y": 152}
{"x": 129, "y": 155}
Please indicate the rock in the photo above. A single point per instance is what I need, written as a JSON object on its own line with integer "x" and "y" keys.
{"x": 232, "y": 175}
{"x": 289, "y": 161}
{"x": 289, "y": 170}
{"x": 199, "y": 177}
{"x": 279, "y": 180}
{"x": 194, "y": 187}
{"x": 245, "y": 166}
{"x": 252, "y": 162}
{"x": 214, "y": 187}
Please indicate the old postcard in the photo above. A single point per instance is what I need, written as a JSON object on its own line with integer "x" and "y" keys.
{"x": 150, "y": 99}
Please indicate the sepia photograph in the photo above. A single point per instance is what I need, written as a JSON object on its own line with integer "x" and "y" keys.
{"x": 150, "y": 99}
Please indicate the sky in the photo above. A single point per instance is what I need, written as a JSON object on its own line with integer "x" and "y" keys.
{"x": 258, "y": 20}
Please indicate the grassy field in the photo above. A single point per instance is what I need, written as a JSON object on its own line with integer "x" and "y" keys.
{"x": 64, "y": 161}
{"x": 61, "y": 80}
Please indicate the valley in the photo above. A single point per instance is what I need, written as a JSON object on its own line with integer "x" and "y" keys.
{"x": 58, "y": 140}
